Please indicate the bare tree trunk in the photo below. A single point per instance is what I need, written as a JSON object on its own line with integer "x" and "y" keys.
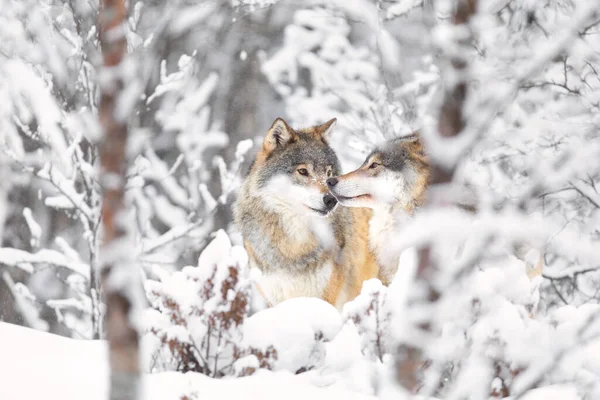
{"x": 117, "y": 273}
{"x": 451, "y": 122}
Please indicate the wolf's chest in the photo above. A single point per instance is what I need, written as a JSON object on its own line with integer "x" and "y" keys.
{"x": 381, "y": 228}
{"x": 278, "y": 286}
{"x": 382, "y": 240}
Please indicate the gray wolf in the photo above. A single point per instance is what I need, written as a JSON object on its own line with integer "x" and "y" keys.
{"x": 293, "y": 232}
{"x": 392, "y": 182}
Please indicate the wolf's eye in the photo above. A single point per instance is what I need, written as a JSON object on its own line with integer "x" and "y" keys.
{"x": 374, "y": 165}
{"x": 303, "y": 171}
{"x": 328, "y": 173}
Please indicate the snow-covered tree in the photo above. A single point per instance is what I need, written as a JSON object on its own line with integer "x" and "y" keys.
{"x": 51, "y": 197}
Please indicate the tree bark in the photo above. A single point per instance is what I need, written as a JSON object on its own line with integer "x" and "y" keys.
{"x": 451, "y": 122}
{"x": 117, "y": 274}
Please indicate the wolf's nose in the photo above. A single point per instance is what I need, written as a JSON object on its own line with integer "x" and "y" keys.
{"x": 331, "y": 182}
{"x": 329, "y": 201}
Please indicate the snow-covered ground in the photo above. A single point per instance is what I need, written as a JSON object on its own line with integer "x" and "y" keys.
{"x": 35, "y": 365}
{"x": 39, "y": 366}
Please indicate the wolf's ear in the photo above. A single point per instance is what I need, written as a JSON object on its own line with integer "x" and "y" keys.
{"x": 279, "y": 134}
{"x": 325, "y": 129}
{"x": 413, "y": 138}
{"x": 414, "y": 141}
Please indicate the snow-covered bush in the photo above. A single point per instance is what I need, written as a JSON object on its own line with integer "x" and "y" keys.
{"x": 199, "y": 320}
{"x": 370, "y": 312}
{"x": 198, "y": 315}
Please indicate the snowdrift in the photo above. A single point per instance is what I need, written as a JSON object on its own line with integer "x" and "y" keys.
{"x": 35, "y": 365}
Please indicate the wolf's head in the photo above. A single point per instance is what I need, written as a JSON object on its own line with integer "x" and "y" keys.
{"x": 291, "y": 169}
{"x": 395, "y": 174}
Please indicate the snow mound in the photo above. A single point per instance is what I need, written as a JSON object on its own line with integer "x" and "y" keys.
{"x": 297, "y": 328}
{"x": 36, "y": 365}
{"x": 264, "y": 385}
{"x": 554, "y": 392}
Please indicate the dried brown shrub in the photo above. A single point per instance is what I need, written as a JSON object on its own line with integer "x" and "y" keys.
{"x": 206, "y": 335}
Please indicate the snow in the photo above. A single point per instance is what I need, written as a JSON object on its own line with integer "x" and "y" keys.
{"x": 37, "y": 365}
{"x": 264, "y": 385}
{"x": 338, "y": 352}
{"x": 34, "y": 228}
{"x": 554, "y": 392}
{"x": 68, "y": 197}
{"x": 25, "y": 260}
{"x": 189, "y": 17}
{"x": 297, "y": 329}
{"x": 24, "y": 304}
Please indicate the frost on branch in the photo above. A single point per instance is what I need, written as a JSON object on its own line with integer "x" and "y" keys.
{"x": 48, "y": 151}
{"x": 176, "y": 202}
{"x": 198, "y": 314}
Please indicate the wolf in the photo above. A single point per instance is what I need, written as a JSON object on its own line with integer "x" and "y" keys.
{"x": 292, "y": 230}
{"x": 393, "y": 182}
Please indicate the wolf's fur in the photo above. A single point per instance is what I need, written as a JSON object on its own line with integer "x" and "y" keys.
{"x": 392, "y": 182}
{"x": 293, "y": 233}
{"x": 394, "y": 189}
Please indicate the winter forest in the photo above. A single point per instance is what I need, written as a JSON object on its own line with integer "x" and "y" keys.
{"x": 134, "y": 132}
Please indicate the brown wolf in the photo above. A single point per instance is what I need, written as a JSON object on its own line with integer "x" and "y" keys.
{"x": 292, "y": 230}
{"x": 393, "y": 182}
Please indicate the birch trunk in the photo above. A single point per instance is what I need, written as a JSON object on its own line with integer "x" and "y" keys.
{"x": 117, "y": 273}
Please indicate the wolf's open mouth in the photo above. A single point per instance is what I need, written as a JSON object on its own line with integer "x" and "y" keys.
{"x": 320, "y": 212}
{"x": 346, "y": 198}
